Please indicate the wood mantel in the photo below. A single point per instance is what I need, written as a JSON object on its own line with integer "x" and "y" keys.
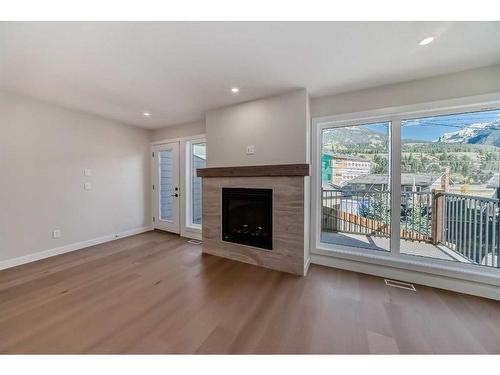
{"x": 256, "y": 171}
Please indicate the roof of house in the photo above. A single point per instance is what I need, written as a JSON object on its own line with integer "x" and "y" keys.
{"x": 494, "y": 181}
{"x": 328, "y": 186}
{"x": 200, "y": 156}
{"x": 406, "y": 179}
{"x": 347, "y": 157}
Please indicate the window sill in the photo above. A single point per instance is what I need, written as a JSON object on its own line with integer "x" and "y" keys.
{"x": 461, "y": 271}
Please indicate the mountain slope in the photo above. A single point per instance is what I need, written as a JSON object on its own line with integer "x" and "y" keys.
{"x": 354, "y": 136}
{"x": 480, "y": 133}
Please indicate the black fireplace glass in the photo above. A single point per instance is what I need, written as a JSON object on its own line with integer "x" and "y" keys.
{"x": 247, "y": 217}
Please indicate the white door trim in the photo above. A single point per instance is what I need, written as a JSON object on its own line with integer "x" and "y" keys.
{"x": 180, "y": 139}
{"x": 187, "y": 228}
{"x": 172, "y": 225}
{"x": 184, "y": 142}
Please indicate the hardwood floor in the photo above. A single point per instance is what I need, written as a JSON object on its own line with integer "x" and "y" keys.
{"x": 156, "y": 293}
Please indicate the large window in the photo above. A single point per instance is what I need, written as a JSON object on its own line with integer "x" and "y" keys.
{"x": 355, "y": 191}
{"x": 449, "y": 171}
{"x": 424, "y": 185}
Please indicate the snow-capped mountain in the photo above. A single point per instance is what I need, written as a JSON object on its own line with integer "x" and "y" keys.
{"x": 480, "y": 133}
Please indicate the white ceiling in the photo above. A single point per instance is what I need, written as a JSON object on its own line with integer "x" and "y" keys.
{"x": 178, "y": 70}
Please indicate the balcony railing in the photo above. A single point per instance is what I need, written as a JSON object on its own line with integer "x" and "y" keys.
{"x": 360, "y": 212}
{"x": 467, "y": 225}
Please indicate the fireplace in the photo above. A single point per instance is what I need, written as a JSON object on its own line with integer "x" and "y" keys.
{"x": 273, "y": 199}
{"x": 247, "y": 217}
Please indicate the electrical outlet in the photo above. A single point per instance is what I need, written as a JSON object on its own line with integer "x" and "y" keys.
{"x": 56, "y": 233}
{"x": 250, "y": 150}
{"x": 87, "y": 172}
{"x": 87, "y": 186}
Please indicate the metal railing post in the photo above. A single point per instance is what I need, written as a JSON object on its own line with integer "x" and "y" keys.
{"x": 437, "y": 216}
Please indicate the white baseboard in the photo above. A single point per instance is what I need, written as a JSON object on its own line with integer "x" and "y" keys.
{"x": 432, "y": 280}
{"x": 70, "y": 247}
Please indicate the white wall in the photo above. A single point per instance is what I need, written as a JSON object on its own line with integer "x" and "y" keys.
{"x": 44, "y": 149}
{"x": 307, "y": 192}
{"x": 43, "y": 152}
{"x": 179, "y": 131}
{"x": 276, "y": 126}
{"x": 449, "y": 86}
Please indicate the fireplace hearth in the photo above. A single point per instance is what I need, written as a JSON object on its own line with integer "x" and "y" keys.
{"x": 247, "y": 217}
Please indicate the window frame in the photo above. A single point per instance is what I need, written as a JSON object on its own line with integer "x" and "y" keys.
{"x": 394, "y": 258}
{"x": 188, "y": 222}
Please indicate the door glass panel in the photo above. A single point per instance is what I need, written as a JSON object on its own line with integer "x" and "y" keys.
{"x": 198, "y": 160}
{"x": 166, "y": 184}
{"x": 355, "y": 187}
{"x": 449, "y": 187}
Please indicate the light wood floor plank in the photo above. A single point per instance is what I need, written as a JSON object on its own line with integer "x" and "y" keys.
{"x": 156, "y": 293}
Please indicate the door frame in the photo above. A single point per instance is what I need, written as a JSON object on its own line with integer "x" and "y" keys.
{"x": 174, "y": 225}
{"x": 186, "y": 230}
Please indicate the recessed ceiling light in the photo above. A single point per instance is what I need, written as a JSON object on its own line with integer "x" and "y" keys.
{"x": 147, "y": 114}
{"x": 235, "y": 90}
{"x": 426, "y": 41}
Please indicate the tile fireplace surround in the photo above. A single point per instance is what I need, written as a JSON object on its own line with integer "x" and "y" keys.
{"x": 287, "y": 182}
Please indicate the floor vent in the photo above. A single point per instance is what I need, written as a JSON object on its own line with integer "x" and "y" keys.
{"x": 400, "y": 284}
{"x": 195, "y": 242}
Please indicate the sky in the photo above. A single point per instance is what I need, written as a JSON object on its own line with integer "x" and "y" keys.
{"x": 431, "y": 128}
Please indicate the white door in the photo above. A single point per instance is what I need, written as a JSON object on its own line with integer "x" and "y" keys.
{"x": 166, "y": 192}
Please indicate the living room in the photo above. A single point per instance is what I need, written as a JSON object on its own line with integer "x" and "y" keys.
{"x": 250, "y": 187}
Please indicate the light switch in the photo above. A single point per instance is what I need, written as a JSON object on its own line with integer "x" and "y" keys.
{"x": 87, "y": 186}
{"x": 87, "y": 172}
{"x": 250, "y": 150}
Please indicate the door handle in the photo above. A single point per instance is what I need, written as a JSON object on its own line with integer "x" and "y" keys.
{"x": 174, "y": 195}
